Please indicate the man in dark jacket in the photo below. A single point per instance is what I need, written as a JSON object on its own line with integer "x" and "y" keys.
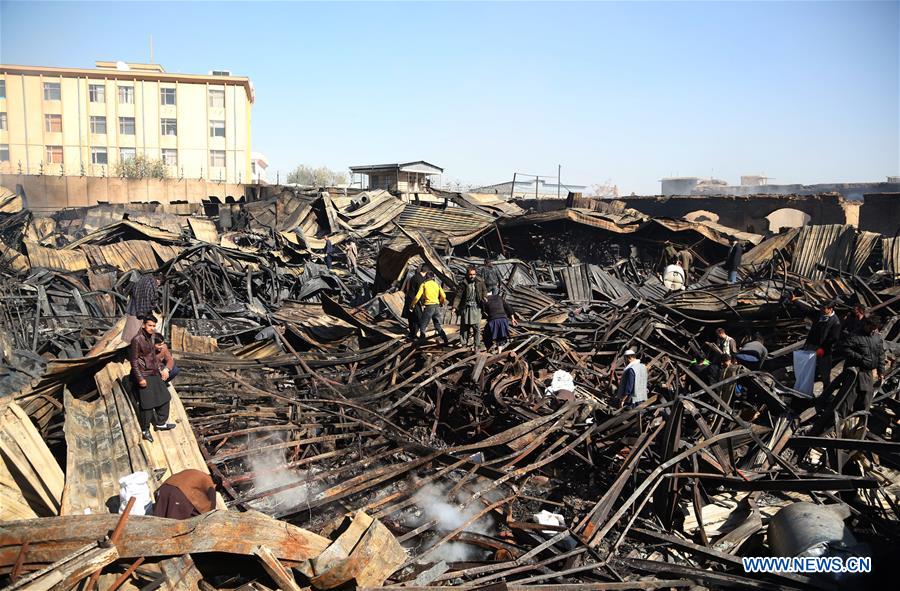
{"x": 491, "y": 277}
{"x": 152, "y": 394}
{"x": 468, "y": 302}
{"x": 413, "y": 314}
{"x": 733, "y": 261}
{"x": 143, "y": 301}
{"x": 822, "y": 338}
{"x": 853, "y": 322}
{"x": 865, "y": 352}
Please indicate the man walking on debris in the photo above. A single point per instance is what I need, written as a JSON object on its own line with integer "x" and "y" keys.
{"x": 632, "y": 389}
{"x": 413, "y": 313}
{"x": 865, "y": 352}
{"x": 491, "y": 277}
{"x": 822, "y": 338}
{"x": 853, "y": 323}
{"x": 500, "y": 315}
{"x": 352, "y": 253}
{"x": 724, "y": 344}
{"x": 468, "y": 302}
{"x": 143, "y": 301}
{"x": 152, "y": 394}
{"x": 433, "y": 298}
{"x": 167, "y": 368}
{"x": 733, "y": 260}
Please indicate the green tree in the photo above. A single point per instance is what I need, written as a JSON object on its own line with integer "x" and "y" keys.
{"x": 316, "y": 177}
{"x": 141, "y": 167}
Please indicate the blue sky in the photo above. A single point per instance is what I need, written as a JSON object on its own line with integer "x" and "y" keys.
{"x": 630, "y": 92}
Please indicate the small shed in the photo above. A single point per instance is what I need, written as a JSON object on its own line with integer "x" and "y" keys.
{"x": 404, "y": 177}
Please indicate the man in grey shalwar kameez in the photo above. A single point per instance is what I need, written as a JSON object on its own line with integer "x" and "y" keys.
{"x": 468, "y": 303}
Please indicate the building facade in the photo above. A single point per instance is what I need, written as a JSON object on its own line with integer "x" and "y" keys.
{"x": 91, "y": 122}
{"x": 403, "y": 177}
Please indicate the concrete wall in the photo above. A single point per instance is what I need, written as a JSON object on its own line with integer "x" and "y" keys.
{"x": 49, "y": 192}
{"x": 743, "y": 213}
{"x": 880, "y": 212}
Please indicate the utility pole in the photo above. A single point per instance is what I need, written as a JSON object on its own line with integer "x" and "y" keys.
{"x": 558, "y": 179}
{"x": 151, "y": 48}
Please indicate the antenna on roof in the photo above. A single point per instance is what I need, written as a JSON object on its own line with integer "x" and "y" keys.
{"x": 151, "y": 48}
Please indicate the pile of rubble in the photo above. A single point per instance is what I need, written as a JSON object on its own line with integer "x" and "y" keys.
{"x": 344, "y": 452}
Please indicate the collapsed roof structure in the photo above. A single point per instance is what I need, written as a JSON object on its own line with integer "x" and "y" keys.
{"x": 346, "y": 454}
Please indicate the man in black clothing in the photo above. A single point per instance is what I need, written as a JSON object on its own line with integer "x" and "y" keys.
{"x": 853, "y": 323}
{"x": 865, "y": 352}
{"x": 413, "y": 314}
{"x": 822, "y": 338}
{"x": 733, "y": 261}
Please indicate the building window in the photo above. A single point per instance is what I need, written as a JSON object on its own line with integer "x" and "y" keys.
{"x": 126, "y": 125}
{"x": 217, "y": 98}
{"x": 98, "y": 124}
{"x": 53, "y": 123}
{"x": 2, "y": 121}
{"x": 4, "y": 152}
{"x": 216, "y": 158}
{"x": 97, "y": 93}
{"x": 127, "y": 154}
{"x": 54, "y": 155}
{"x": 170, "y": 156}
{"x": 2, "y": 89}
{"x": 216, "y": 129}
{"x": 51, "y": 91}
{"x": 98, "y": 156}
{"x": 168, "y": 127}
{"x": 167, "y": 96}
{"x": 126, "y": 95}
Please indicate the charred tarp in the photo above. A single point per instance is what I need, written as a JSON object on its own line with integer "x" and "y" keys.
{"x": 345, "y": 453}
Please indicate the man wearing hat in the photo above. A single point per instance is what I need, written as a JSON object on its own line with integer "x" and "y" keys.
{"x": 822, "y": 338}
{"x": 633, "y": 386}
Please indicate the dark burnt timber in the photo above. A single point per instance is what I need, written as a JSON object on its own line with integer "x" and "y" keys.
{"x": 346, "y": 454}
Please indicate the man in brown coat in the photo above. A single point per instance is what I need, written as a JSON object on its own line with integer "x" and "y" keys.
{"x": 152, "y": 394}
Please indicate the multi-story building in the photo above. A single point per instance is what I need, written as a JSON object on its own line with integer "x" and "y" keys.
{"x": 69, "y": 121}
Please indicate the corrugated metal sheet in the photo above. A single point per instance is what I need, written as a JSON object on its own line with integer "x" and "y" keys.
{"x": 830, "y": 245}
{"x": 763, "y": 251}
{"x": 55, "y": 259}
{"x": 577, "y": 281}
{"x": 180, "y": 339}
{"x": 865, "y": 244}
{"x": 204, "y": 230}
{"x": 124, "y": 256}
{"x": 457, "y": 225}
{"x": 890, "y": 255}
{"x": 13, "y": 260}
{"x": 488, "y": 203}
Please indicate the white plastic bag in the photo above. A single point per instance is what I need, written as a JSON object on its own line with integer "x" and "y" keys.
{"x": 562, "y": 380}
{"x": 804, "y": 371}
{"x": 135, "y": 485}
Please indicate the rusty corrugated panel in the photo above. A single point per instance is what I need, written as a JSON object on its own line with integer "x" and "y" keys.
{"x": 865, "y": 244}
{"x": 763, "y": 251}
{"x": 890, "y": 255}
{"x": 830, "y": 245}
{"x": 56, "y": 259}
{"x": 204, "y": 230}
{"x": 457, "y": 225}
{"x": 13, "y": 259}
{"x": 577, "y": 281}
{"x": 124, "y": 256}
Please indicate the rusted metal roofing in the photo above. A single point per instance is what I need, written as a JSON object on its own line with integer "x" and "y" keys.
{"x": 124, "y": 256}
{"x": 487, "y": 203}
{"x": 865, "y": 244}
{"x": 577, "y": 281}
{"x": 13, "y": 260}
{"x": 457, "y": 225}
{"x": 55, "y": 259}
{"x": 763, "y": 251}
{"x": 890, "y": 255}
{"x": 204, "y": 230}
{"x": 830, "y": 245}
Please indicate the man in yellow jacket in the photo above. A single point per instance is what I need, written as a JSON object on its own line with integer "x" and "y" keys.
{"x": 433, "y": 298}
